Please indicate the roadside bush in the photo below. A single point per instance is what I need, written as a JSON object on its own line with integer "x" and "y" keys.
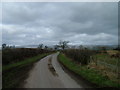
{"x": 81, "y": 56}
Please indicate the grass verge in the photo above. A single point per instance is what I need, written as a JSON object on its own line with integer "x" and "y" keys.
{"x": 13, "y": 75}
{"x": 91, "y": 75}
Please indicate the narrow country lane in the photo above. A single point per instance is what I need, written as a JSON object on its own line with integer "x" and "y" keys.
{"x": 47, "y": 73}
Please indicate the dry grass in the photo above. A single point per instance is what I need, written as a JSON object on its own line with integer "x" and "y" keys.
{"x": 105, "y": 71}
{"x": 112, "y": 52}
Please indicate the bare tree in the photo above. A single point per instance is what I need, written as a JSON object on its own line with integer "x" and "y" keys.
{"x": 63, "y": 44}
{"x": 46, "y": 47}
{"x": 4, "y": 46}
{"x": 40, "y": 46}
{"x": 81, "y": 47}
{"x": 56, "y": 47}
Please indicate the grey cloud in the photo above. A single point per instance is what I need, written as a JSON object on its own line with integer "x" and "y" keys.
{"x": 80, "y": 23}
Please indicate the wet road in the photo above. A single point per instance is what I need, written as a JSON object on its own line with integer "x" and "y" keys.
{"x": 47, "y": 73}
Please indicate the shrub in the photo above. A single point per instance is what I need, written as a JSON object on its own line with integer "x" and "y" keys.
{"x": 12, "y": 55}
{"x": 81, "y": 56}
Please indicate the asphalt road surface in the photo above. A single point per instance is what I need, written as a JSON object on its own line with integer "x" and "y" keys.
{"x": 47, "y": 73}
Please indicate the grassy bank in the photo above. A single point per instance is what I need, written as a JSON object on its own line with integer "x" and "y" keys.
{"x": 106, "y": 58}
{"x": 107, "y": 65}
{"x": 91, "y": 75}
{"x": 14, "y": 74}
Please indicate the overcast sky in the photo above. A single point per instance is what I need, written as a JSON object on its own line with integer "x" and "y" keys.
{"x": 48, "y": 23}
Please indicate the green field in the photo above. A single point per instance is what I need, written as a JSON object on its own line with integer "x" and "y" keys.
{"x": 92, "y": 75}
{"x": 106, "y": 58}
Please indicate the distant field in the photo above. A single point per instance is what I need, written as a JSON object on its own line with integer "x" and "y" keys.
{"x": 106, "y": 58}
{"x": 107, "y": 65}
{"x": 110, "y": 52}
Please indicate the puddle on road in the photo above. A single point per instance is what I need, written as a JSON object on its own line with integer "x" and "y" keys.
{"x": 51, "y": 68}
